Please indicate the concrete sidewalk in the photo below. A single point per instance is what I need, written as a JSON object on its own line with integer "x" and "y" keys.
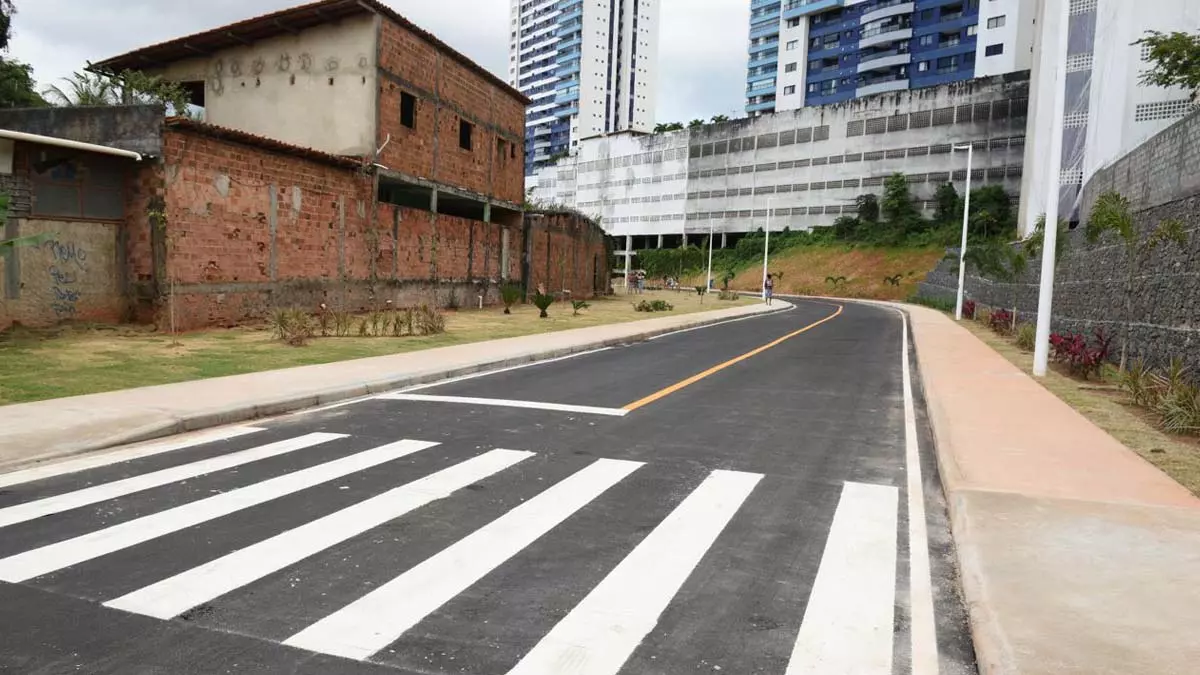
{"x": 1077, "y": 556}
{"x": 36, "y": 432}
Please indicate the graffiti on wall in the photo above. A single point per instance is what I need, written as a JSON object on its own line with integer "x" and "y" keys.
{"x": 68, "y": 262}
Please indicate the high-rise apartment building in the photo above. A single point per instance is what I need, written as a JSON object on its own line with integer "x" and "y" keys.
{"x": 589, "y": 67}
{"x": 814, "y": 52}
{"x": 1107, "y": 110}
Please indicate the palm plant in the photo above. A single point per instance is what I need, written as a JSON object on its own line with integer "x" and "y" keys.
{"x": 510, "y": 294}
{"x": 82, "y": 89}
{"x": 543, "y": 301}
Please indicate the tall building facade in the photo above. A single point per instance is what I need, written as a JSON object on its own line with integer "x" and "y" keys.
{"x": 1107, "y": 111}
{"x": 589, "y": 67}
{"x": 815, "y": 52}
{"x": 798, "y": 169}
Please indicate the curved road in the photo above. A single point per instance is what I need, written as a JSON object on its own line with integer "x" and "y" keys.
{"x": 749, "y": 497}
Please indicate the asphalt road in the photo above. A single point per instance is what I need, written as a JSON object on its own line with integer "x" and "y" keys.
{"x": 745, "y": 498}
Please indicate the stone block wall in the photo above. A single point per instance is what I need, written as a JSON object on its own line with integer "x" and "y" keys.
{"x": 1162, "y": 180}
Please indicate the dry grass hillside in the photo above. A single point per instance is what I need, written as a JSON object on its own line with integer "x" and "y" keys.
{"x": 806, "y": 269}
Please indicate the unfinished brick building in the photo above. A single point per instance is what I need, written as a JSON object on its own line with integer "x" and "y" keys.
{"x": 346, "y": 156}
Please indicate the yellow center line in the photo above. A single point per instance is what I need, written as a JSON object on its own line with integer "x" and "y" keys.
{"x": 722, "y": 366}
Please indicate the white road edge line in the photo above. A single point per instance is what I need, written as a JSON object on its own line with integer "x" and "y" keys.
{"x": 506, "y": 403}
{"x": 123, "y": 455}
{"x": 46, "y": 506}
{"x": 761, "y": 315}
{"x": 600, "y": 633}
{"x": 177, "y": 594}
{"x": 849, "y": 622}
{"x": 378, "y": 618}
{"x": 920, "y": 583}
{"x": 52, "y": 557}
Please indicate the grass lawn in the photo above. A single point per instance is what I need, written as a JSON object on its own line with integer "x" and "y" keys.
{"x": 73, "y": 360}
{"x": 1105, "y": 405}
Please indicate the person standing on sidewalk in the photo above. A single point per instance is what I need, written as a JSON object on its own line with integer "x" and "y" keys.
{"x": 769, "y": 288}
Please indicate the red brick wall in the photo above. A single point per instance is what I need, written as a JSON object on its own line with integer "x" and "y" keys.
{"x": 447, "y": 91}
{"x": 567, "y": 253}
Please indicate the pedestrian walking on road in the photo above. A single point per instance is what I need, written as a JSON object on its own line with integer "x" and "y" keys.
{"x": 769, "y": 288}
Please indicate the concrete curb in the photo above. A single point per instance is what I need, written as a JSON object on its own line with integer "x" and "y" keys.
{"x": 311, "y": 399}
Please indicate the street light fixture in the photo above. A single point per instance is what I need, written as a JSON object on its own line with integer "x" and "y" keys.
{"x": 767, "y": 248}
{"x": 962, "y": 250}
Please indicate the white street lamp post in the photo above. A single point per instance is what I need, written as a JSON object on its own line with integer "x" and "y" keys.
{"x": 1041, "y": 350}
{"x": 962, "y": 251}
{"x": 708, "y": 277}
{"x": 766, "y": 249}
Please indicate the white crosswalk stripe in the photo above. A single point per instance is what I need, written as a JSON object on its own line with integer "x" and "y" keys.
{"x": 99, "y": 493}
{"x": 373, "y": 621}
{"x": 53, "y": 557}
{"x": 603, "y": 630}
{"x": 848, "y": 623}
{"x": 183, "y": 591}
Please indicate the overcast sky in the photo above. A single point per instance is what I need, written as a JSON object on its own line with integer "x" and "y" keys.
{"x": 702, "y": 53}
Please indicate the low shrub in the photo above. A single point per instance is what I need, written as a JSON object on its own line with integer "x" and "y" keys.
{"x": 729, "y": 295}
{"x": 699, "y": 290}
{"x": 1027, "y": 336}
{"x": 916, "y": 299}
{"x": 653, "y": 306}
{"x": 1081, "y": 357}
{"x": 578, "y": 305}
{"x": 543, "y": 301}
{"x": 293, "y": 326}
{"x": 968, "y": 311}
{"x": 427, "y": 321}
{"x": 1139, "y": 384}
{"x": 1000, "y": 321}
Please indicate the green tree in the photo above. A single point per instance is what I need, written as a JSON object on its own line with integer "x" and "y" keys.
{"x": 663, "y": 127}
{"x": 1000, "y": 261}
{"x": 991, "y": 212}
{"x": 899, "y": 212}
{"x": 17, "y": 86}
{"x": 16, "y": 78}
{"x": 868, "y": 208}
{"x": 1175, "y": 59}
{"x": 718, "y": 119}
{"x": 948, "y": 207}
{"x": 846, "y": 228}
{"x": 1036, "y": 240}
{"x": 695, "y": 124}
{"x": 1112, "y": 213}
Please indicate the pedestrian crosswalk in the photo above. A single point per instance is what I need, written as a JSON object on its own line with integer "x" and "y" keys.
{"x": 846, "y": 624}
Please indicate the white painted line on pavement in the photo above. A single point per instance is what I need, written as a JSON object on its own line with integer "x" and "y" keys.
{"x": 506, "y": 403}
{"x": 848, "y": 623}
{"x": 177, "y": 594}
{"x": 721, "y": 323}
{"x": 124, "y": 455}
{"x": 375, "y": 620}
{"x": 485, "y": 373}
{"x": 69, "y": 552}
{"x": 924, "y": 630}
{"x": 119, "y": 488}
{"x": 599, "y": 634}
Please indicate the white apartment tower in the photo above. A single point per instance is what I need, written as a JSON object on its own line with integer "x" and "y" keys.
{"x": 589, "y": 66}
{"x": 1108, "y": 110}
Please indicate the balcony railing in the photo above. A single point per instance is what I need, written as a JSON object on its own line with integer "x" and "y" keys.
{"x": 864, "y": 58}
{"x": 880, "y": 30}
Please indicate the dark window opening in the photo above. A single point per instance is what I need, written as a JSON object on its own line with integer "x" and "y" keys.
{"x": 408, "y": 110}
{"x": 464, "y": 134}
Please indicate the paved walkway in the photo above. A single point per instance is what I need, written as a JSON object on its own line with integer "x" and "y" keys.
{"x": 35, "y": 432}
{"x": 1077, "y": 556}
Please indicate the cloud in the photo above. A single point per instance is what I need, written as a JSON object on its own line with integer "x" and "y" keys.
{"x": 702, "y": 51}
